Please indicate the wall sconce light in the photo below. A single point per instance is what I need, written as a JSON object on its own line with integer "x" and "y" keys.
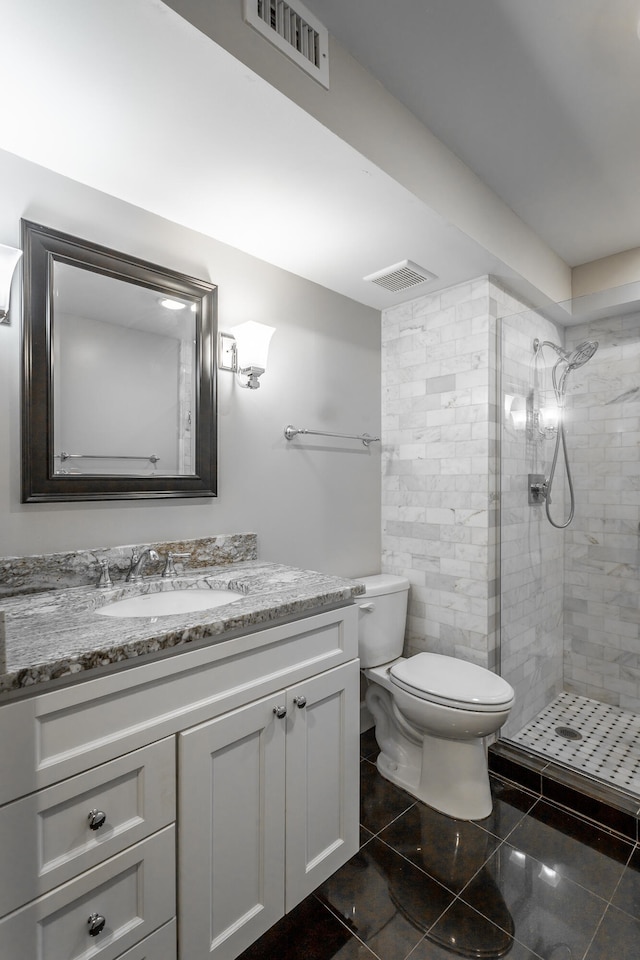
{"x": 244, "y": 352}
{"x": 9, "y": 257}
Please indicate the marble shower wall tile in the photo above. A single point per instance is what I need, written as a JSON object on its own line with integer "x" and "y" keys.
{"x": 569, "y": 598}
{"x": 602, "y": 567}
{"x": 532, "y": 550}
{"x": 439, "y": 448}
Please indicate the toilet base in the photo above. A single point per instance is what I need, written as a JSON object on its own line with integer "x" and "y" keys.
{"x": 451, "y": 776}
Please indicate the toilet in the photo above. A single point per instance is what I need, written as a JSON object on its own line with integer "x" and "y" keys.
{"x": 431, "y": 712}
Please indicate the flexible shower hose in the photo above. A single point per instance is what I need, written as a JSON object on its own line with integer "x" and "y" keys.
{"x": 560, "y": 435}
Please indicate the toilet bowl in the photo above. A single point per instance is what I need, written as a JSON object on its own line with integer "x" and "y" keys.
{"x": 431, "y": 712}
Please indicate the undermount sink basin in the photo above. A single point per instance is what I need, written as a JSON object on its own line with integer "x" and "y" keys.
{"x": 168, "y": 603}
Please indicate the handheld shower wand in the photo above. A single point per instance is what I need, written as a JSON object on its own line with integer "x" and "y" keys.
{"x": 571, "y": 360}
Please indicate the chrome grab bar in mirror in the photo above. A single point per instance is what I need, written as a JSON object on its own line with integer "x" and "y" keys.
{"x": 103, "y": 456}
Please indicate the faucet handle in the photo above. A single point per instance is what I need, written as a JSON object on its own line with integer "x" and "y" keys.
{"x": 169, "y": 564}
{"x": 135, "y": 557}
{"x": 104, "y": 581}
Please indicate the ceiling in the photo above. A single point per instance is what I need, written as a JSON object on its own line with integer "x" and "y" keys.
{"x": 539, "y": 98}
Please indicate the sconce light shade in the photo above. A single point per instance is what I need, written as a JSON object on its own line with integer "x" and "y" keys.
{"x": 252, "y": 340}
{"x": 9, "y": 257}
{"x": 245, "y": 351}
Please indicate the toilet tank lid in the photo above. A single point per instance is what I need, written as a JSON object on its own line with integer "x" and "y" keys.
{"x": 382, "y": 583}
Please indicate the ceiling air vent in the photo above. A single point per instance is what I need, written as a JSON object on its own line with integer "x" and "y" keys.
{"x": 295, "y": 31}
{"x": 401, "y": 276}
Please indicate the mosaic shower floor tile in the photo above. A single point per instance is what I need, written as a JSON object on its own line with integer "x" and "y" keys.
{"x": 595, "y": 738}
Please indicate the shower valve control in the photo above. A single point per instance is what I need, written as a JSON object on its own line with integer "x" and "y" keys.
{"x": 538, "y": 487}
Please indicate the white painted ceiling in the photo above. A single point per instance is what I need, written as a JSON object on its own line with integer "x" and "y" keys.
{"x": 541, "y": 98}
{"x": 538, "y": 97}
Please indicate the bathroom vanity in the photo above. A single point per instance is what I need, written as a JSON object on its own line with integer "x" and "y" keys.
{"x": 217, "y": 769}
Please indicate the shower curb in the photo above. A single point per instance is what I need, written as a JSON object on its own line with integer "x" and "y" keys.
{"x": 607, "y": 806}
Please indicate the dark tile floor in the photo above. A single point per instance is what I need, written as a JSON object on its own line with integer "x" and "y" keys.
{"x": 529, "y": 882}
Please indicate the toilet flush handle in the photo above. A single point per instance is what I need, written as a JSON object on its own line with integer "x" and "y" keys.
{"x": 368, "y": 607}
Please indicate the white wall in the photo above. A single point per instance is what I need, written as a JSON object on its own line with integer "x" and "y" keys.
{"x": 312, "y": 503}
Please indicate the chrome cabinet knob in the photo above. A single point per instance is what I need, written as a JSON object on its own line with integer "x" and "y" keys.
{"x": 280, "y": 712}
{"x": 300, "y": 701}
{"x": 96, "y": 924}
{"x": 96, "y": 818}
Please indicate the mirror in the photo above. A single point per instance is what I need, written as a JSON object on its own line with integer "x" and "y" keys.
{"x": 118, "y": 375}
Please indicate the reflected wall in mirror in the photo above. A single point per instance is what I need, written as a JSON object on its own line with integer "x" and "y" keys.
{"x": 119, "y": 375}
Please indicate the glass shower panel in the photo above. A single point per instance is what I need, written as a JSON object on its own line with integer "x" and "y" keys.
{"x": 570, "y": 605}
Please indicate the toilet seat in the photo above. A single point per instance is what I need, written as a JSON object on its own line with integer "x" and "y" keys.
{"x": 452, "y": 683}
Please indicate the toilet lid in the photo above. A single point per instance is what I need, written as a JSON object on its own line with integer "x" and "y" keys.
{"x": 447, "y": 680}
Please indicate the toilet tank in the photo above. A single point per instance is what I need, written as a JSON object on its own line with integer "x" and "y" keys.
{"x": 383, "y": 614}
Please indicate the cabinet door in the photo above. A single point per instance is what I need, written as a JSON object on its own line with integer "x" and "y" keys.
{"x": 322, "y": 778}
{"x": 231, "y": 829}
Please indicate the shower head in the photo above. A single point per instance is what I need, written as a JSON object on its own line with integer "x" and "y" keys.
{"x": 582, "y": 353}
{"x": 576, "y": 358}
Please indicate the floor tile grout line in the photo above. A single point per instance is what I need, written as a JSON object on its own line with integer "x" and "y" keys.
{"x": 585, "y": 955}
{"x": 570, "y": 810}
{"x": 576, "y": 883}
{"x": 344, "y": 923}
{"x": 430, "y": 875}
{"x": 401, "y": 814}
{"x": 535, "y": 955}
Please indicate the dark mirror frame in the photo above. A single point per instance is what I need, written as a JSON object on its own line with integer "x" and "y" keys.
{"x": 42, "y": 247}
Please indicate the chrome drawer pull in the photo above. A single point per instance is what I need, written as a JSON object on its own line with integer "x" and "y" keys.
{"x": 96, "y": 924}
{"x": 280, "y": 712}
{"x": 300, "y": 701}
{"x": 96, "y": 819}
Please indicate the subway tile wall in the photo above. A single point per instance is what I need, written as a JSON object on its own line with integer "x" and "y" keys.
{"x": 532, "y": 550}
{"x": 602, "y": 565}
{"x": 440, "y": 479}
{"x": 574, "y": 589}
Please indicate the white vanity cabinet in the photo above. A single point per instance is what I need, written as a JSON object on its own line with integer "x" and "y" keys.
{"x": 268, "y": 804}
{"x": 268, "y": 810}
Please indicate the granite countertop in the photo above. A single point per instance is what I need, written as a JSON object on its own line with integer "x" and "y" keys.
{"x": 58, "y": 634}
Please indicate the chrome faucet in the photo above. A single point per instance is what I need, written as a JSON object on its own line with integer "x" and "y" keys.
{"x": 138, "y": 561}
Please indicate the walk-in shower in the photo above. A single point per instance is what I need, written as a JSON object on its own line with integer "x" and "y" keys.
{"x": 567, "y": 361}
{"x": 569, "y": 598}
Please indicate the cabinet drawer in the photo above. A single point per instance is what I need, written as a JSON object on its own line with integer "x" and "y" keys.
{"x": 58, "y": 734}
{"x": 134, "y": 892}
{"x": 161, "y": 945}
{"x": 47, "y": 839}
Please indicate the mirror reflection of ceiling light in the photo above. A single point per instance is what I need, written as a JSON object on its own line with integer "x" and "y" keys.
{"x": 170, "y": 304}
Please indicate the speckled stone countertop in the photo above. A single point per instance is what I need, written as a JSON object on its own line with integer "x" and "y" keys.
{"x": 58, "y": 634}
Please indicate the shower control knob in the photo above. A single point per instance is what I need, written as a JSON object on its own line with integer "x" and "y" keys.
{"x": 97, "y": 819}
{"x": 300, "y": 701}
{"x": 280, "y": 712}
{"x": 96, "y": 924}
